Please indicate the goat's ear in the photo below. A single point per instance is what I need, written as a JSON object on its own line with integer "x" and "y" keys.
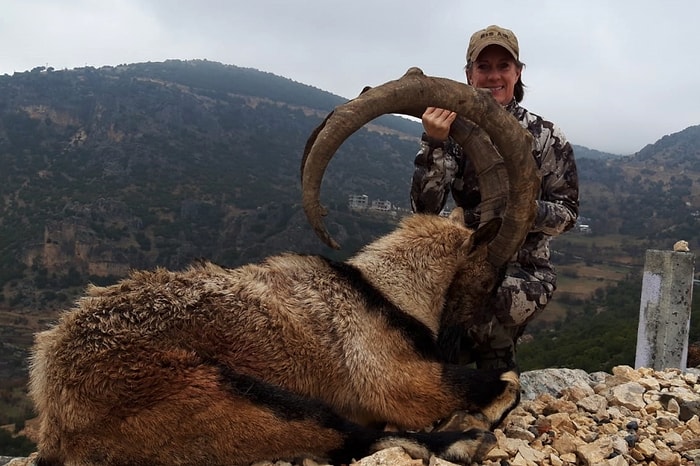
{"x": 485, "y": 233}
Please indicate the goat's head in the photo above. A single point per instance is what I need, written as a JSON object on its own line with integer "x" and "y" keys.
{"x": 508, "y": 177}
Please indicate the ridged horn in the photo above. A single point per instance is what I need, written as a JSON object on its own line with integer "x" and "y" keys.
{"x": 508, "y": 177}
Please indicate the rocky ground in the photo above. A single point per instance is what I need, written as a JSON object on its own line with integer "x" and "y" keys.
{"x": 569, "y": 417}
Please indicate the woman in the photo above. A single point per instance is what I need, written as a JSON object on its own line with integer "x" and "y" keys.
{"x": 493, "y": 63}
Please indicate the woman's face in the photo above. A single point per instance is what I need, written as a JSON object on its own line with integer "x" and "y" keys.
{"x": 495, "y": 70}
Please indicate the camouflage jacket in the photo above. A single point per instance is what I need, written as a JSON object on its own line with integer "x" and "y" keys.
{"x": 440, "y": 169}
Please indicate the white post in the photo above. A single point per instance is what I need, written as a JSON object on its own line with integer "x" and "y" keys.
{"x": 664, "y": 311}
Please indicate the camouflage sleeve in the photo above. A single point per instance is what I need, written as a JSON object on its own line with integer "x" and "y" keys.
{"x": 436, "y": 165}
{"x": 557, "y": 209}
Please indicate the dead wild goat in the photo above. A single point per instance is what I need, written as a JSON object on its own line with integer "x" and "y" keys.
{"x": 297, "y": 356}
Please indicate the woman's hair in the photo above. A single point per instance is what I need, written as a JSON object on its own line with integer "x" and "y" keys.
{"x": 519, "y": 90}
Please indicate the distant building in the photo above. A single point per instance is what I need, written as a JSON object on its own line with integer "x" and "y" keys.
{"x": 584, "y": 228}
{"x": 384, "y": 206}
{"x": 582, "y": 225}
{"x": 358, "y": 202}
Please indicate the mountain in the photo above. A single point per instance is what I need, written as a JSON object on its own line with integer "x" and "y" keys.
{"x": 583, "y": 152}
{"x": 159, "y": 164}
{"x": 653, "y": 194}
{"x": 677, "y": 150}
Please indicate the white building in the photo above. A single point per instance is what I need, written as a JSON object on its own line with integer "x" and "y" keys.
{"x": 358, "y": 201}
{"x": 384, "y": 206}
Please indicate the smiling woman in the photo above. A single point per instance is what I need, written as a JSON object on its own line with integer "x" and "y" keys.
{"x": 496, "y": 71}
{"x": 493, "y": 63}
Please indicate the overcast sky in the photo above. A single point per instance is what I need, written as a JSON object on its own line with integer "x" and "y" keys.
{"x": 614, "y": 75}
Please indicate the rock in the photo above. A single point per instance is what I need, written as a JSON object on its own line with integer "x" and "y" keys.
{"x": 694, "y": 425}
{"x": 692, "y": 455}
{"x": 667, "y": 458}
{"x": 629, "y": 395}
{"x": 552, "y": 381}
{"x": 594, "y": 453}
{"x": 681, "y": 246}
{"x": 22, "y": 461}
{"x": 593, "y": 403}
{"x": 390, "y": 457}
{"x": 682, "y": 401}
{"x": 646, "y": 447}
{"x": 616, "y": 461}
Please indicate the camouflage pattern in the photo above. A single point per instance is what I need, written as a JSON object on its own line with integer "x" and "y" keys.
{"x": 530, "y": 276}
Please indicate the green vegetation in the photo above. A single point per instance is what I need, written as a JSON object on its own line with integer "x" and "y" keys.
{"x": 601, "y": 335}
{"x": 15, "y": 445}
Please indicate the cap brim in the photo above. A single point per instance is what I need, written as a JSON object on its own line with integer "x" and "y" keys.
{"x": 477, "y": 51}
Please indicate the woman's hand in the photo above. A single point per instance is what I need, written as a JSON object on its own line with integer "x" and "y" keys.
{"x": 437, "y": 122}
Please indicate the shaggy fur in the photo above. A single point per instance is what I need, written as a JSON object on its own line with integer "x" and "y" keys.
{"x": 297, "y": 356}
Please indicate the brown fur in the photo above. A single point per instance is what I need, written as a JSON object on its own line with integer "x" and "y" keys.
{"x": 286, "y": 358}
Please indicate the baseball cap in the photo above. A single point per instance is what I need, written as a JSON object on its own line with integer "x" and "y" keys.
{"x": 492, "y": 35}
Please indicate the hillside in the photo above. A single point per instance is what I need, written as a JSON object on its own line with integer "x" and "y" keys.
{"x": 157, "y": 164}
{"x": 583, "y": 152}
{"x": 128, "y": 155}
{"x": 648, "y": 200}
{"x": 136, "y": 166}
{"x": 653, "y": 194}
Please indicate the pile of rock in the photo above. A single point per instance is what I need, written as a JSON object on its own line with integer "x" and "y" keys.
{"x": 570, "y": 417}
{"x": 630, "y": 417}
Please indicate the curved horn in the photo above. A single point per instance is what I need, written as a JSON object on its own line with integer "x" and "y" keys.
{"x": 510, "y": 159}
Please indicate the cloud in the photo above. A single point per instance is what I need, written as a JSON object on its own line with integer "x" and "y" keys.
{"x": 614, "y": 75}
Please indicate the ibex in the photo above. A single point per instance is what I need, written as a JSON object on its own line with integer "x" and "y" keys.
{"x": 297, "y": 356}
